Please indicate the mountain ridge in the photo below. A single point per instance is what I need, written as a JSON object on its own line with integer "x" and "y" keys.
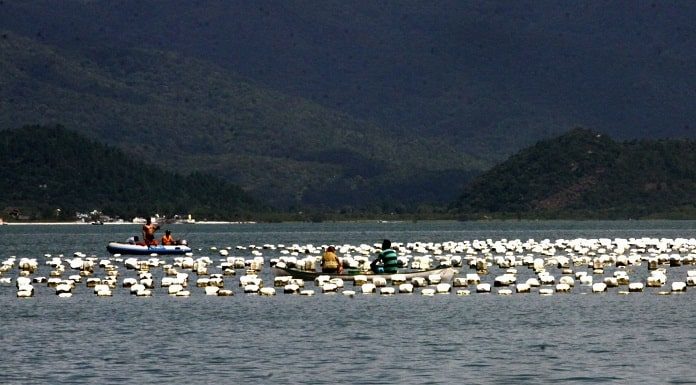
{"x": 213, "y": 124}
{"x": 585, "y": 174}
{"x": 52, "y": 173}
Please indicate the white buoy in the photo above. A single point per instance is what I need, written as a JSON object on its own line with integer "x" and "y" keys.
{"x": 419, "y": 282}
{"x": 463, "y": 292}
{"x": 443, "y": 288}
{"x": 562, "y": 288}
{"x": 635, "y": 287}
{"x": 434, "y": 279}
{"x": 678, "y": 287}
{"x": 25, "y": 291}
{"x": 567, "y": 281}
{"x": 321, "y": 280}
{"x": 174, "y": 288}
{"x": 64, "y": 288}
{"x": 101, "y": 287}
{"x": 483, "y": 288}
{"x": 504, "y": 280}
{"x": 387, "y": 291}
{"x": 291, "y": 288}
{"x": 599, "y": 287}
{"x": 379, "y": 281}
{"x": 211, "y": 290}
{"x": 523, "y": 288}
{"x": 281, "y": 281}
{"x": 545, "y": 291}
{"x": 368, "y": 288}
{"x": 428, "y": 291}
{"x": 329, "y": 287}
{"x": 406, "y": 288}
{"x": 473, "y": 279}
{"x": 337, "y": 281}
{"x": 267, "y": 291}
{"x": 307, "y": 292}
{"x": 359, "y": 280}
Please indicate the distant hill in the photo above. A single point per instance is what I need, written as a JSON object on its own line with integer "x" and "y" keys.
{"x": 585, "y": 174}
{"x": 188, "y": 115}
{"x": 43, "y": 169}
{"x": 349, "y": 106}
{"x": 491, "y": 76}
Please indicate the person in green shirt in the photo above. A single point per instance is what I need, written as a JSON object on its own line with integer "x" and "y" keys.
{"x": 386, "y": 261}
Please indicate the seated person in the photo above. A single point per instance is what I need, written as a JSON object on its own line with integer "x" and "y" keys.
{"x": 330, "y": 262}
{"x": 135, "y": 240}
{"x": 388, "y": 259}
{"x": 167, "y": 238}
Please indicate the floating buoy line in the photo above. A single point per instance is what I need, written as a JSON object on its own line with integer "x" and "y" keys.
{"x": 483, "y": 267}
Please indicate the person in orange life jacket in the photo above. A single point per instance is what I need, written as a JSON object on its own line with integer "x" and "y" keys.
{"x": 149, "y": 229}
{"x": 167, "y": 238}
{"x": 330, "y": 262}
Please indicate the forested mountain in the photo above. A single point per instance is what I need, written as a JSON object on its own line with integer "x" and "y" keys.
{"x": 586, "y": 174}
{"x": 188, "y": 115}
{"x": 483, "y": 72}
{"x": 363, "y": 105}
{"x": 43, "y": 169}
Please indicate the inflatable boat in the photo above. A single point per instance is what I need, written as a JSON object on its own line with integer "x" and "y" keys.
{"x": 127, "y": 248}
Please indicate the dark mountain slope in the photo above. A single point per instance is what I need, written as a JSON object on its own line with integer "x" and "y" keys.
{"x": 188, "y": 115}
{"x": 585, "y": 174}
{"x": 491, "y": 77}
{"x": 47, "y": 168}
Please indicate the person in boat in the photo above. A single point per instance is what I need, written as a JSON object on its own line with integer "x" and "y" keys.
{"x": 135, "y": 240}
{"x": 167, "y": 238}
{"x": 149, "y": 229}
{"x": 330, "y": 262}
{"x": 386, "y": 261}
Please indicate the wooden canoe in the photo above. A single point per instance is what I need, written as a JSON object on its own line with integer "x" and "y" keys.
{"x": 306, "y": 275}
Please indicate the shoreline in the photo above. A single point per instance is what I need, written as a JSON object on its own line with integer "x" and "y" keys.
{"x": 117, "y": 223}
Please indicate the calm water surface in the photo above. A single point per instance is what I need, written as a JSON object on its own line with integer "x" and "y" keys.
{"x": 407, "y": 339}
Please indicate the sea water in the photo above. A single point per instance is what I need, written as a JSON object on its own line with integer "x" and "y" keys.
{"x": 326, "y": 339}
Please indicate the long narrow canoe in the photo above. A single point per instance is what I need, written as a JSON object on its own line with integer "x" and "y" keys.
{"x": 127, "y": 248}
{"x": 445, "y": 272}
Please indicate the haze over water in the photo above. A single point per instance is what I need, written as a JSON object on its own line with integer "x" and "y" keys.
{"x": 367, "y": 339}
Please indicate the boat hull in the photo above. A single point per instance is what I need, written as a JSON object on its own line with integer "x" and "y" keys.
{"x": 447, "y": 273}
{"x": 127, "y": 248}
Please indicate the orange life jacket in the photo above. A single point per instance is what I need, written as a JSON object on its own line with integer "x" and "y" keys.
{"x": 167, "y": 240}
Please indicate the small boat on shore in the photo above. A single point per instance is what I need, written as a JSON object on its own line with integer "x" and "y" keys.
{"x": 445, "y": 272}
{"x": 127, "y": 248}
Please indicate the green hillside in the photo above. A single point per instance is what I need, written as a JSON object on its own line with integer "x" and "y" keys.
{"x": 189, "y": 115}
{"x": 43, "y": 169}
{"x": 585, "y": 174}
